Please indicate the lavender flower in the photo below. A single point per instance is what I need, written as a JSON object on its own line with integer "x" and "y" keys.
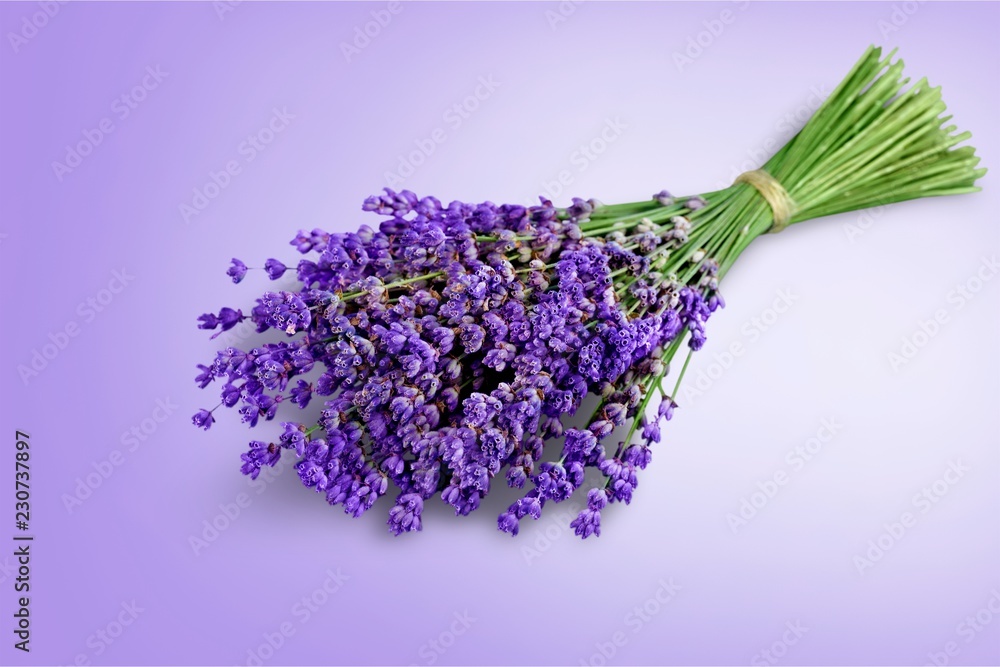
{"x": 450, "y": 344}
{"x": 274, "y": 269}
{"x": 237, "y": 271}
{"x": 405, "y": 516}
{"x": 203, "y": 419}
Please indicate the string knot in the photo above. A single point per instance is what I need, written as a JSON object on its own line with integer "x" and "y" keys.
{"x": 781, "y": 203}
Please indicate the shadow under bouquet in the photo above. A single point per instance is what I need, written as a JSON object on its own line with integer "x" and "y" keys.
{"x": 450, "y": 344}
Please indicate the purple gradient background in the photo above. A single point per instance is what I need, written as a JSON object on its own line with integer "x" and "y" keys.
{"x": 690, "y": 129}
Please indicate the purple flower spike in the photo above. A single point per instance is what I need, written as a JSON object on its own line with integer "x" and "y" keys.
{"x": 587, "y": 523}
{"x": 237, "y": 271}
{"x": 260, "y": 454}
{"x": 508, "y": 523}
{"x": 405, "y": 516}
{"x": 203, "y": 419}
{"x": 274, "y": 269}
{"x": 208, "y": 321}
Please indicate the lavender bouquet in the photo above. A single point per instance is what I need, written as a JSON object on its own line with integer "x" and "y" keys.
{"x": 450, "y": 344}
